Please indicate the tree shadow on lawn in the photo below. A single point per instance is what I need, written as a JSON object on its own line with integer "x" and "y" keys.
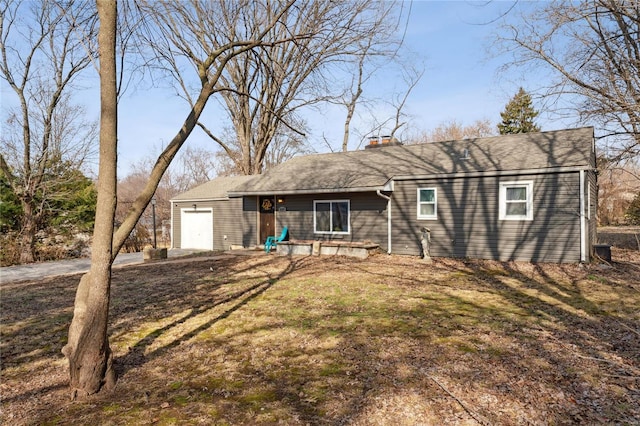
{"x": 29, "y": 309}
{"x": 36, "y": 316}
{"x": 535, "y": 350}
{"x": 590, "y": 352}
{"x": 587, "y": 346}
{"x": 190, "y": 299}
{"x": 510, "y": 342}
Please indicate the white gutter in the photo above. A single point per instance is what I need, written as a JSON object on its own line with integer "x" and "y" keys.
{"x": 201, "y": 199}
{"x": 386, "y": 197}
{"x": 171, "y": 210}
{"x": 491, "y": 173}
{"x": 583, "y": 221}
{"x": 234, "y": 194}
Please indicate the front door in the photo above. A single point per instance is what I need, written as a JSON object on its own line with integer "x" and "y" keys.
{"x": 267, "y": 218}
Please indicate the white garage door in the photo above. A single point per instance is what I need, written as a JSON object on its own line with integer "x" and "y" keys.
{"x": 197, "y": 229}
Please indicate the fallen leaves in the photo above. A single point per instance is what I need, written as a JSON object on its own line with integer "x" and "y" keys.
{"x": 386, "y": 340}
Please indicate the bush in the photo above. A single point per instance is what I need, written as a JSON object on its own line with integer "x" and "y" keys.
{"x": 136, "y": 241}
{"x": 633, "y": 212}
{"x": 9, "y": 251}
{"x": 56, "y": 247}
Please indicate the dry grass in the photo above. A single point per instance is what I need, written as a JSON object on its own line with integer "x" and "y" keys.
{"x": 387, "y": 340}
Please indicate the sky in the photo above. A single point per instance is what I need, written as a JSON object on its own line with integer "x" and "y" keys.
{"x": 461, "y": 82}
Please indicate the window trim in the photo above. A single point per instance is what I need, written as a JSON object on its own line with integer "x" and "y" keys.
{"x": 528, "y": 185}
{"x": 434, "y": 216}
{"x": 330, "y": 202}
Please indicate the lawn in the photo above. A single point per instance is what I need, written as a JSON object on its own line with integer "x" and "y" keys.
{"x": 265, "y": 339}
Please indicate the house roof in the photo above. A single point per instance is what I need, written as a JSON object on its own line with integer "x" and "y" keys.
{"x": 215, "y": 189}
{"x": 373, "y": 169}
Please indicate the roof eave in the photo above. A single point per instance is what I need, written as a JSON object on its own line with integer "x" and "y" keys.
{"x": 203, "y": 199}
{"x": 384, "y": 187}
{"x": 515, "y": 172}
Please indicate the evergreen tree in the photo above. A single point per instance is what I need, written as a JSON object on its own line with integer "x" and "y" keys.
{"x": 10, "y": 210}
{"x": 633, "y": 212}
{"x": 72, "y": 202}
{"x": 518, "y": 115}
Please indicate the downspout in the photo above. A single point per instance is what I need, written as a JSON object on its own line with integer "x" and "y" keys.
{"x": 386, "y": 197}
{"x": 171, "y": 208}
{"x": 583, "y": 221}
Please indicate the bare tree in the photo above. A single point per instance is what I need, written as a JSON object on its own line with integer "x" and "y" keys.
{"x": 593, "y": 50}
{"x": 195, "y": 166}
{"x": 375, "y": 52}
{"x": 454, "y": 130}
{"x": 87, "y": 348}
{"x": 284, "y": 145}
{"x": 44, "y": 48}
{"x": 264, "y": 89}
{"x": 394, "y": 117}
{"x": 411, "y": 77}
{"x": 618, "y": 184}
{"x": 191, "y": 167}
{"x": 173, "y": 22}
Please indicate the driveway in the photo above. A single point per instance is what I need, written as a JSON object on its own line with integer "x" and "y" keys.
{"x": 36, "y": 271}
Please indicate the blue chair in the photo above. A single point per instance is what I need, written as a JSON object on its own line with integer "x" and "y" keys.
{"x": 273, "y": 241}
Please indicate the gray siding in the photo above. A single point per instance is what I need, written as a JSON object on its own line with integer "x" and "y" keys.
{"x": 228, "y": 220}
{"x": 593, "y": 210}
{"x": 248, "y": 220}
{"x": 368, "y": 217}
{"x": 225, "y": 223}
{"x": 468, "y": 224}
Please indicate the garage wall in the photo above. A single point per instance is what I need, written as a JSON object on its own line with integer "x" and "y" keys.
{"x": 227, "y": 222}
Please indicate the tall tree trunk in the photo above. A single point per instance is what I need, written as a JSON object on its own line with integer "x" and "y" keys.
{"x": 27, "y": 233}
{"x": 88, "y": 352}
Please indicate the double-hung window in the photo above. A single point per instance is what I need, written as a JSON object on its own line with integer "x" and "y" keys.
{"x": 427, "y": 203}
{"x": 516, "y": 200}
{"x": 331, "y": 217}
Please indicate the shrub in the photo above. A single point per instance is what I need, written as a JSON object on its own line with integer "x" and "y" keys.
{"x": 633, "y": 212}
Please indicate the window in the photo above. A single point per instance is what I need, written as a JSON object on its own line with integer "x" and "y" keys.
{"x": 331, "y": 217}
{"x": 427, "y": 203}
{"x": 516, "y": 200}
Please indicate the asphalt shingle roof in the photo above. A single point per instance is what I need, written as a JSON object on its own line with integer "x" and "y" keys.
{"x": 215, "y": 189}
{"x": 371, "y": 169}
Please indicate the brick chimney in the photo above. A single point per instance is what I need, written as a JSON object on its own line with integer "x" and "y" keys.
{"x": 381, "y": 141}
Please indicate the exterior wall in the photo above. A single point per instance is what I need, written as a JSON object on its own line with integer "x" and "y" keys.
{"x": 592, "y": 216}
{"x": 368, "y": 217}
{"x": 247, "y": 219}
{"x": 468, "y": 224}
{"x": 226, "y": 215}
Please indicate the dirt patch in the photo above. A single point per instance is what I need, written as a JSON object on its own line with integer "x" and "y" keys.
{"x": 388, "y": 339}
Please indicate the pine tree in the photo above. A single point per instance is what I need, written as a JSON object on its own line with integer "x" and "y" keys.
{"x": 518, "y": 115}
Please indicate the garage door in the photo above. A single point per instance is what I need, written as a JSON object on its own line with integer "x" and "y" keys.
{"x": 197, "y": 229}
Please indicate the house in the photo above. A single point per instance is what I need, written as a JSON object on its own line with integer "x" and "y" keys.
{"x": 193, "y": 213}
{"x": 529, "y": 197}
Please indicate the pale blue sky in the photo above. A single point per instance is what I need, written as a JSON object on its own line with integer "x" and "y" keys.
{"x": 460, "y": 83}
